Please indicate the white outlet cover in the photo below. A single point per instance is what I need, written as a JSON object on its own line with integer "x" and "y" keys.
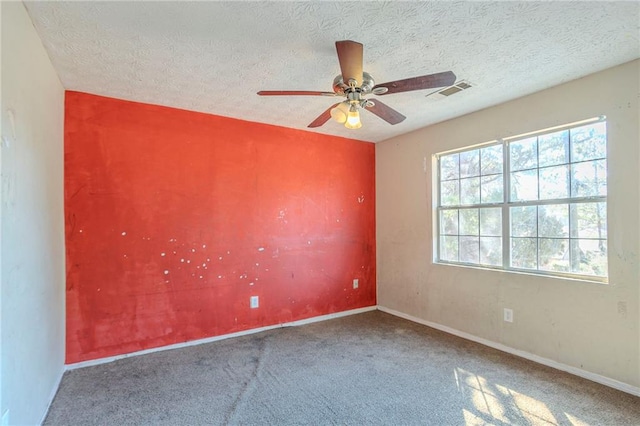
{"x": 254, "y": 302}
{"x": 355, "y": 283}
{"x": 508, "y": 315}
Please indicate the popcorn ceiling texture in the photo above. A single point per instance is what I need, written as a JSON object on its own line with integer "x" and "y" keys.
{"x": 214, "y": 56}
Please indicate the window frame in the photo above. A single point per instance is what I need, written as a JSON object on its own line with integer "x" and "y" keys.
{"x": 506, "y": 204}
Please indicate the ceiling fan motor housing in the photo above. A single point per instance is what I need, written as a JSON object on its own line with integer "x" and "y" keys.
{"x": 340, "y": 87}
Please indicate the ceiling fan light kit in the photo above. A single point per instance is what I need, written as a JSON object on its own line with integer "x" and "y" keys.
{"x": 353, "y": 84}
{"x": 339, "y": 113}
{"x": 353, "y": 118}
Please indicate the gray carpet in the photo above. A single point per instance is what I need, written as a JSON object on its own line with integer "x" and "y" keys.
{"x": 371, "y": 368}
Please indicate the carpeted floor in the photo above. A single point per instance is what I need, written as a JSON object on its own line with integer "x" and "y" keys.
{"x": 371, "y": 368}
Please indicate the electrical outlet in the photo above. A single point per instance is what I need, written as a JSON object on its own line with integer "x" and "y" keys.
{"x": 508, "y": 315}
{"x": 254, "y": 302}
{"x": 355, "y": 283}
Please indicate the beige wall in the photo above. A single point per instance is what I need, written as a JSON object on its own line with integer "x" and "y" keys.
{"x": 589, "y": 326}
{"x": 32, "y": 217}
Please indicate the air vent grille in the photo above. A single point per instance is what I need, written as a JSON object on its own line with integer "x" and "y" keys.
{"x": 451, "y": 90}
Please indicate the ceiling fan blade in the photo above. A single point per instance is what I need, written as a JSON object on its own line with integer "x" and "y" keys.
{"x": 294, "y": 93}
{"x": 324, "y": 117}
{"x": 429, "y": 81}
{"x": 385, "y": 112}
{"x": 350, "y": 57}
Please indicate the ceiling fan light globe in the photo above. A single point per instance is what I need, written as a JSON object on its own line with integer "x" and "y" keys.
{"x": 353, "y": 119}
{"x": 338, "y": 115}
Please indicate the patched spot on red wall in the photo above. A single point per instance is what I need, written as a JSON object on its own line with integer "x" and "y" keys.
{"x": 175, "y": 219}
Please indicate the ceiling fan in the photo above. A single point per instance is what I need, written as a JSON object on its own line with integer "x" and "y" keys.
{"x": 353, "y": 84}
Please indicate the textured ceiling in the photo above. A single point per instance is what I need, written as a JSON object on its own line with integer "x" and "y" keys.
{"x": 214, "y": 56}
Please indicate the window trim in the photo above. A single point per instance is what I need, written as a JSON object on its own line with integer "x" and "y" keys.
{"x": 506, "y": 204}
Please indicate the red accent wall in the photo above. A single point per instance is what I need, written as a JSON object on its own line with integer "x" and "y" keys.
{"x": 175, "y": 218}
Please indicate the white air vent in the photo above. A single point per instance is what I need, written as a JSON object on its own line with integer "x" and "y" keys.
{"x": 448, "y": 91}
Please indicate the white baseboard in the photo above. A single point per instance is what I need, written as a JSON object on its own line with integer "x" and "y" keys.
{"x": 54, "y": 391}
{"x": 615, "y": 384}
{"x": 603, "y": 380}
{"x": 221, "y": 337}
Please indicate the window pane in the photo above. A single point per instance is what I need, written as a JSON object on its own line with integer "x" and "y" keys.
{"x": 524, "y": 221}
{"x": 491, "y": 222}
{"x": 554, "y": 182}
{"x": 491, "y": 159}
{"x": 470, "y": 163}
{"x": 449, "y": 222}
{"x": 449, "y": 167}
{"x": 491, "y": 189}
{"x": 491, "y": 251}
{"x": 589, "y": 220}
{"x": 524, "y": 154}
{"x": 524, "y": 253}
{"x": 589, "y": 179}
{"x": 553, "y": 220}
{"x": 449, "y": 248}
{"x": 554, "y": 254}
{"x": 469, "y": 249}
{"x": 470, "y": 191}
{"x": 589, "y": 257}
{"x": 469, "y": 222}
{"x": 524, "y": 185}
{"x": 553, "y": 149}
{"x": 449, "y": 193}
{"x": 589, "y": 142}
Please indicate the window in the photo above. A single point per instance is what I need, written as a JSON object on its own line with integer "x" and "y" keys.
{"x": 534, "y": 203}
